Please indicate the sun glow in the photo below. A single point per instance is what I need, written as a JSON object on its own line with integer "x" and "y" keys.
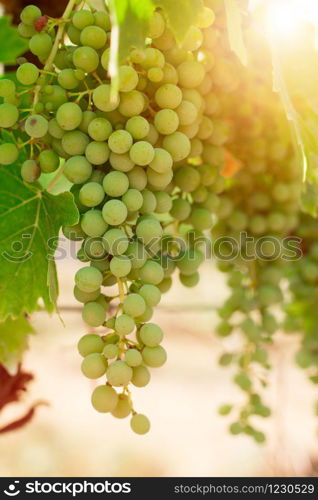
{"x": 284, "y": 18}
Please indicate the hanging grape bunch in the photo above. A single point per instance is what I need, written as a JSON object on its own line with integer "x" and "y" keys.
{"x": 145, "y": 167}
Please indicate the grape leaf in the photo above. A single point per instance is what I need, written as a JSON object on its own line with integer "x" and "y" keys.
{"x": 234, "y": 28}
{"x": 13, "y": 341}
{"x": 30, "y": 220}
{"x": 130, "y": 22}
{"x": 181, "y": 14}
{"x": 11, "y": 44}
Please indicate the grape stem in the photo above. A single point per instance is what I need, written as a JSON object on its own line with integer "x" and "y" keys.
{"x": 59, "y": 35}
{"x": 121, "y": 290}
{"x": 59, "y": 174}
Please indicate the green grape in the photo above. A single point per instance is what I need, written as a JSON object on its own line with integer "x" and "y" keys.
{"x": 201, "y": 219}
{"x": 93, "y": 224}
{"x": 149, "y": 230}
{"x": 73, "y": 233}
{"x": 189, "y": 261}
{"x": 114, "y": 212}
{"x": 137, "y": 178}
{"x": 75, "y": 142}
{"x": 162, "y": 161}
{"x": 112, "y": 337}
{"x": 133, "y": 358}
{"x": 55, "y": 130}
{"x": 151, "y": 272}
{"x": 91, "y": 194}
{"x": 191, "y": 74}
{"x": 155, "y": 75}
{"x": 74, "y": 35}
{"x": 94, "y": 248}
{"x": 190, "y": 280}
{"x": 163, "y": 202}
{"x": 157, "y": 25}
{"x": 131, "y": 103}
{"x": 93, "y": 314}
{"x": 187, "y": 179}
{"x": 141, "y": 376}
{"x": 178, "y": 145}
{"x": 82, "y": 18}
{"x": 90, "y": 344}
{"x": 93, "y": 36}
{"x": 138, "y": 127}
{"x": 165, "y": 285}
{"x": 154, "y": 356}
{"x": 146, "y": 316}
{"x": 120, "y": 141}
{"x": 9, "y": 115}
{"x": 102, "y": 20}
{"x": 104, "y": 399}
{"x": 159, "y": 181}
{"x": 69, "y": 116}
{"x": 87, "y": 117}
{"x": 134, "y": 305}
{"x": 120, "y": 266}
{"x": 77, "y": 169}
{"x": 29, "y": 14}
{"x": 151, "y": 334}
{"x": 36, "y": 126}
{"x": 88, "y": 279}
{"x": 123, "y": 407}
{"x": 7, "y": 87}
{"x": 99, "y": 129}
{"x": 168, "y": 96}
{"x": 193, "y": 39}
{"x": 124, "y": 324}
{"x": 94, "y": 365}
{"x": 128, "y": 78}
{"x": 83, "y": 297}
{"x": 102, "y": 98}
{"x": 119, "y": 373}
{"x": 40, "y": 44}
{"x": 115, "y": 184}
{"x": 110, "y": 351}
{"x": 49, "y": 161}
{"x": 152, "y": 136}
{"x": 200, "y": 194}
{"x": 56, "y": 99}
{"x": 133, "y": 199}
{"x": 116, "y": 241}
{"x": 27, "y": 74}
{"x": 86, "y": 58}
{"x": 152, "y": 58}
{"x": 141, "y": 153}
{"x": 67, "y": 79}
{"x": 148, "y": 203}
{"x": 26, "y": 31}
{"x": 30, "y": 171}
{"x": 97, "y": 153}
{"x": 187, "y": 113}
{"x": 181, "y": 209}
{"x": 166, "y": 121}
{"x": 170, "y": 74}
{"x": 206, "y": 18}
{"x": 8, "y": 153}
{"x": 121, "y": 162}
{"x": 137, "y": 254}
{"x": 151, "y": 295}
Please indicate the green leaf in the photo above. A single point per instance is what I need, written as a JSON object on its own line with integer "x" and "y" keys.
{"x": 181, "y": 14}
{"x": 234, "y": 28}
{"x": 30, "y": 220}
{"x": 11, "y": 44}
{"x": 13, "y": 341}
{"x": 130, "y": 22}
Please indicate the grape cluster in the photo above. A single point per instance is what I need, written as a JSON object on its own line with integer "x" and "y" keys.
{"x": 301, "y": 308}
{"x": 144, "y": 163}
{"x": 256, "y": 216}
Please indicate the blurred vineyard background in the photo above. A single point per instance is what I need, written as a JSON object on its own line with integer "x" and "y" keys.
{"x": 188, "y": 437}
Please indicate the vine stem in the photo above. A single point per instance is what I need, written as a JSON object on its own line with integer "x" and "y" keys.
{"x": 58, "y": 38}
